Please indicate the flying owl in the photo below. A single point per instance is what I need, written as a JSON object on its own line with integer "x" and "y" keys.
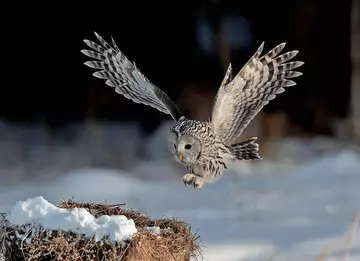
{"x": 208, "y": 148}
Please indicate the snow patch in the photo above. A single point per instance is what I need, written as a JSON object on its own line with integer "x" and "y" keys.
{"x": 155, "y": 230}
{"x": 39, "y": 211}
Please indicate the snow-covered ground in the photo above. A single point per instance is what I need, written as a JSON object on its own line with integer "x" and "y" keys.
{"x": 287, "y": 208}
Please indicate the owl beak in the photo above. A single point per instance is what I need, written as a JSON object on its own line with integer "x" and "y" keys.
{"x": 180, "y": 156}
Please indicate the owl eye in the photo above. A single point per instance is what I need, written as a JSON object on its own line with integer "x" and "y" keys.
{"x": 187, "y": 146}
{"x": 174, "y": 145}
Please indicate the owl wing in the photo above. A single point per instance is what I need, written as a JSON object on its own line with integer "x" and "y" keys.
{"x": 239, "y": 99}
{"x": 120, "y": 73}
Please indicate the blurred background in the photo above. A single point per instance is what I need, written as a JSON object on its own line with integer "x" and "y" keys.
{"x": 56, "y": 118}
{"x": 52, "y": 98}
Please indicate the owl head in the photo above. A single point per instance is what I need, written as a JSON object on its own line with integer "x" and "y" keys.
{"x": 184, "y": 148}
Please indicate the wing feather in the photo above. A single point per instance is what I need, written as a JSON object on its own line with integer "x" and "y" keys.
{"x": 240, "y": 99}
{"x": 124, "y": 76}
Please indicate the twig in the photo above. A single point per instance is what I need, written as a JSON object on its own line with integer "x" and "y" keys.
{"x": 22, "y": 242}
{"x": 351, "y": 236}
{"x": 322, "y": 255}
{"x": 117, "y": 205}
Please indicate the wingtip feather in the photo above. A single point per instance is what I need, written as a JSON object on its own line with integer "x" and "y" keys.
{"x": 97, "y": 74}
{"x": 229, "y": 69}
{"x": 261, "y": 48}
{"x": 289, "y": 83}
{"x": 89, "y": 64}
{"x": 296, "y": 74}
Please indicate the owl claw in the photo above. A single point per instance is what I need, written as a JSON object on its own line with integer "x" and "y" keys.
{"x": 197, "y": 182}
{"x": 188, "y": 179}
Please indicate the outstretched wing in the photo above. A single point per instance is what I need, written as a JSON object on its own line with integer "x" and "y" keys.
{"x": 120, "y": 73}
{"x": 240, "y": 99}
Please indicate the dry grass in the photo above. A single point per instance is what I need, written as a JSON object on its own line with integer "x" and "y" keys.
{"x": 351, "y": 236}
{"x": 175, "y": 242}
{"x": 349, "y": 242}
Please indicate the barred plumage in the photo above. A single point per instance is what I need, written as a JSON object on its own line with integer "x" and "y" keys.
{"x": 240, "y": 99}
{"x": 120, "y": 73}
{"x": 206, "y": 149}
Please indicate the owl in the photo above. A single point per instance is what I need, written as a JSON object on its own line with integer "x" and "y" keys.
{"x": 205, "y": 148}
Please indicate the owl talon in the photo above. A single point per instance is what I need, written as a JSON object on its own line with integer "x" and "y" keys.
{"x": 199, "y": 182}
{"x": 188, "y": 179}
{"x": 191, "y": 179}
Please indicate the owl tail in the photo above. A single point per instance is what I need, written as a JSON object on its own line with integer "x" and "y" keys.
{"x": 246, "y": 150}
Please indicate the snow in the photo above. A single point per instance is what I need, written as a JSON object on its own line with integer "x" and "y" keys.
{"x": 39, "y": 211}
{"x": 300, "y": 199}
{"x": 155, "y": 230}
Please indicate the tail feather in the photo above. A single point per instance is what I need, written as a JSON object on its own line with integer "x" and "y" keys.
{"x": 246, "y": 150}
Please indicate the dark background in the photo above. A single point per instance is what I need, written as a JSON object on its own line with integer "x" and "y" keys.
{"x": 44, "y": 79}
